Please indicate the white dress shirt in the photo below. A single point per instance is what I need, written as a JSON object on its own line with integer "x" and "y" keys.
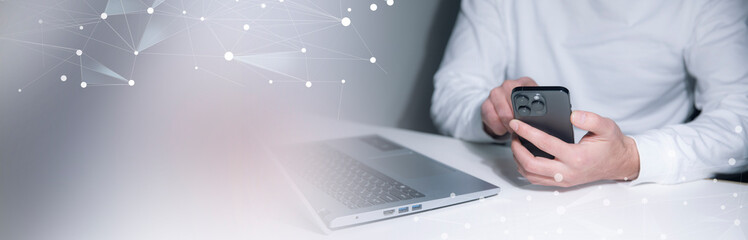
{"x": 642, "y": 63}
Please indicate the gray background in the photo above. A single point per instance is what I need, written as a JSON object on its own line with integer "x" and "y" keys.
{"x": 121, "y": 162}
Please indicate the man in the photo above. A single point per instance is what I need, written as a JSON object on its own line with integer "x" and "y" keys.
{"x": 637, "y": 68}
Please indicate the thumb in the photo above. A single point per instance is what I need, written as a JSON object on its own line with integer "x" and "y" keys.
{"x": 592, "y": 122}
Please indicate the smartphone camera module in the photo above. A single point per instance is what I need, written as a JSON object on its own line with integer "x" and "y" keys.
{"x": 530, "y": 105}
{"x": 521, "y": 100}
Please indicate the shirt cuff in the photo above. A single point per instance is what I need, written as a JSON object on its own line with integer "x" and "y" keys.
{"x": 654, "y": 166}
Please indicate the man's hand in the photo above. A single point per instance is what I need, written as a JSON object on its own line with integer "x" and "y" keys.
{"x": 604, "y": 153}
{"x": 496, "y": 111}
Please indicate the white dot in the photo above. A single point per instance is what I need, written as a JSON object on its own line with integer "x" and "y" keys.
{"x": 270, "y": 81}
{"x": 372, "y": 59}
{"x": 149, "y": 10}
{"x": 228, "y": 56}
{"x": 415, "y": 219}
{"x": 663, "y": 236}
{"x": 184, "y": 12}
{"x": 196, "y": 68}
{"x": 136, "y": 53}
{"x": 345, "y": 21}
{"x": 555, "y": 193}
{"x": 529, "y": 198}
{"x": 84, "y": 84}
{"x": 606, "y": 202}
{"x": 246, "y": 27}
{"x": 560, "y": 210}
{"x": 502, "y": 219}
{"x": 467, "y": 226}
{"x": 81, "y": 27}
{"x": 342, "y": 81}
{"x": 619, "y": 231}
{"x": 131, "y": 82}
{"x": 349, "y": 9}
{"x": 78, "y": 52}
{"x": 738, "y": 129}
{"x": 736, "y": 222}
{"x": 373, "y": 7}
{"x": 41, "y": 21}
{"x": 308, "y": 84}
{"x": 625, "y": 178}
{"x": 644, "y": 201}
{"x": 714, "y": 180}
{"x": 558, "y": 177}
{"x": 280, "y": 1}
{"x": 685, "y": 203}
{"x": 303, "y": 50}
{"x": 19, "y": 90}
{"x": 104, "y": 16}
{"x": 734, "y": 194}
{"x": 722, "y": 207}
{"x": 263, "y": 5}
{"x": 63, "y": 78}
{"x": 390, "y": 2}
{"x": 202, "y": 18}
{"x": 731, "y": 161}
{"x": 445, "y": 236}
{"x": 559, "y": 230}
{"x": 452, "y": 195}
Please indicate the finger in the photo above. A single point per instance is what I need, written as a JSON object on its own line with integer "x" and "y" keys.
{"x": 526, "y": 81}
{"x": 537, "y": 165}
{"x": 592, "y": 122}
{"x": 505, "y": 115}
{"x": 540, "y": 139}
{"x": 501, "y": 107}
{"x": 491, "y": 119}
{"x": 539, "y": 179}
{"x": 523, "y": 81}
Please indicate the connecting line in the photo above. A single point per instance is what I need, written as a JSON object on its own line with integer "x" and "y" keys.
{"x": 45, "y": 73}
{"x": 367, "y": 47}
{"x": 121, "y": 3}
{"x": 221, "y": 77}
{"x": 120, "y": 36}
{"x": 306, "y": 61}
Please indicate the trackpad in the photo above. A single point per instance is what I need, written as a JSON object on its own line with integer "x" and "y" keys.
{"x": 412, "y": 166}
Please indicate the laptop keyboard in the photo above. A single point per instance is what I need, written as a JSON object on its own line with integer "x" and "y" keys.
{"x": 350, "y": 181}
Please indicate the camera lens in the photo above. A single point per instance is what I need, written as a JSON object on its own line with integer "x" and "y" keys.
{"x": 523, "y": 111}
{"x": 537, "y": 105}
{"x": 521, "y": 100}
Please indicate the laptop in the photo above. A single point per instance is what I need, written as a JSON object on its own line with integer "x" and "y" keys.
{"x": 357, "y": 180}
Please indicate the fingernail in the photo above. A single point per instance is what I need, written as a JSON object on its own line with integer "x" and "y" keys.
{"x": 579, "y": 117}
{"x": 513, "y": 124}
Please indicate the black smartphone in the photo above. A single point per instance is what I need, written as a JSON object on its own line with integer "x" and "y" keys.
{"x": 546, "y": 108}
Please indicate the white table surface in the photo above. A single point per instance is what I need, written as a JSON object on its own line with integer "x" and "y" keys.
{"x": 174, "y": 181}
{"x": 702, "y": 209}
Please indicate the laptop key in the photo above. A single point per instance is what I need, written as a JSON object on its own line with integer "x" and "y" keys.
{"x": 351, "y": 182}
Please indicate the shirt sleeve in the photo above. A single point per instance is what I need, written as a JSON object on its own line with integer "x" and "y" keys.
{"x": 716, "y": 141}
{"x": 473, "y": 64}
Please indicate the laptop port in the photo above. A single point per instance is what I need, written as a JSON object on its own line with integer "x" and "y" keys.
{"x": 416, "y": 207}
{"x": 402, "y": 210}
{"x": 389, "y": 212}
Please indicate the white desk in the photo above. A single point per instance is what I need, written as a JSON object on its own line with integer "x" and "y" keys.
{"x": 702, "y": 209}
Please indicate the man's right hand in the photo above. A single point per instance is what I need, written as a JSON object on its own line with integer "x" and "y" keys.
{"x": 496, "y": 111}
